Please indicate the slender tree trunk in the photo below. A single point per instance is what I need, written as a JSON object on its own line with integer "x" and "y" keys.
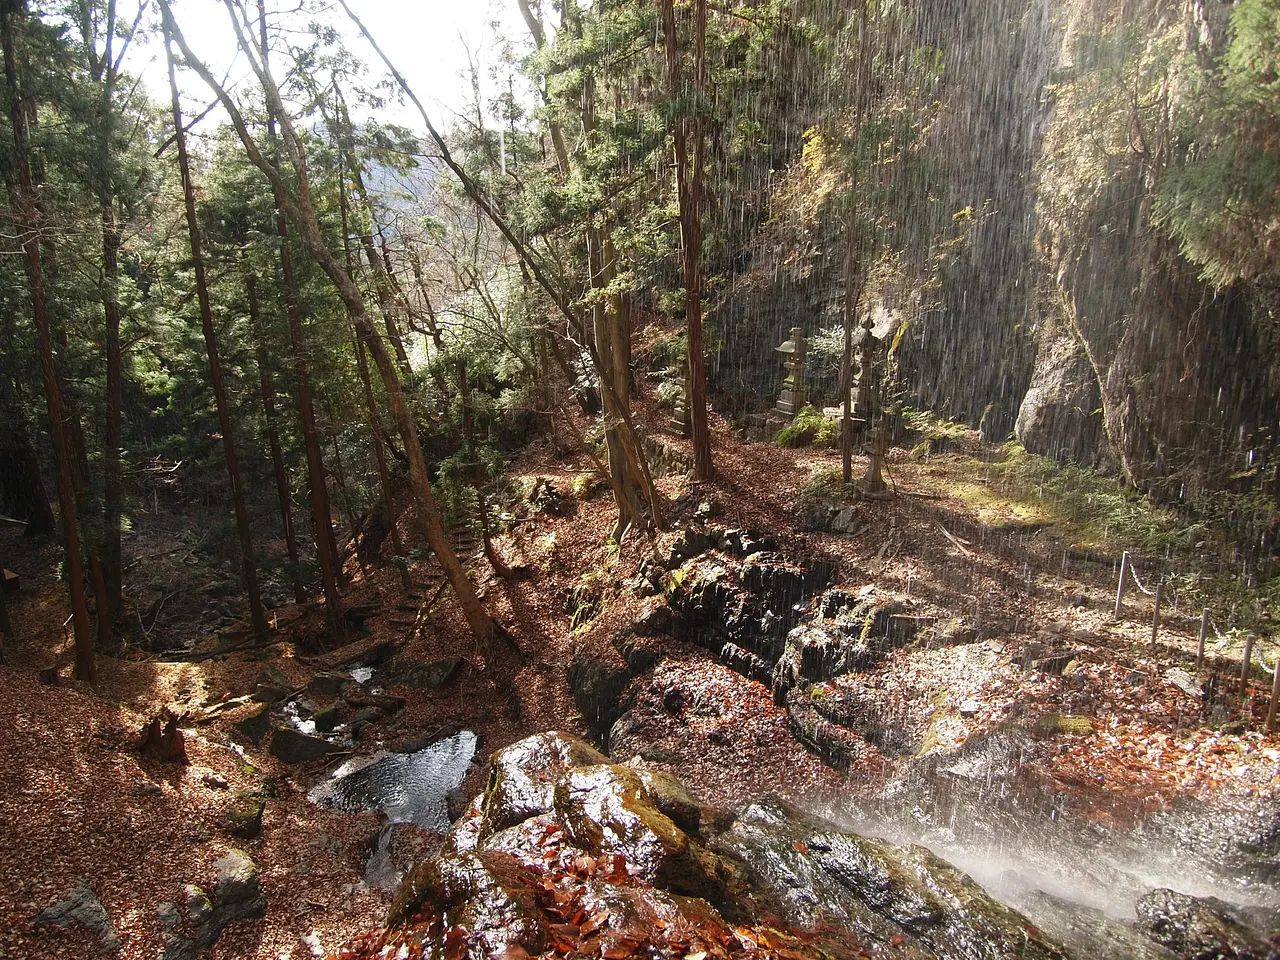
{"x": 256, "y": 612}
{"x": 852, "y": 267}
{"x": 477, "y": 472}
{"x": 846, "y": 361}
{"x": 689, "y": 193}
{"x": 383, "y": 282}
{"x": 384, "y": 475}
{"x": 105, "y": 70}
{"x": 84, "y": 507}
{"x": 6, "y": 627}
{"x": 341, "y": 477}
{"x": 303, "y": 215}
{"x": 113, "y": 488}
{"x": 273, "y": 436}
{"x": 612, "y": 344}
{"x": 321, "y": 512}
{"x": 85, "y": 668}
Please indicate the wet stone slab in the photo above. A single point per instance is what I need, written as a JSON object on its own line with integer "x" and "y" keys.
{"x": 407, "y": 787}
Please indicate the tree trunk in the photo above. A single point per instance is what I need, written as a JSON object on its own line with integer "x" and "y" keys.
{"x": 321, "y": 513}
{"x": 105, "y": 72}
{"x": 613, "y": 346}
{"x": 84, "y": 508}
{"x": 113, "y": 489}
{"x": 256, "y": 613}
{"x": 846, "y": 360}
{"x": 6, "y": 626}
{"x": 273, "y": 436}
{"x": 689, "y": 194}
{"x": 852, "y": 267}
{"x": 384, "y": 475}
{"x": 85, "y": 668}
{"x": 303, "y": 215}
{"x": 22, "y": 480}
{"x": 477, "y": 472}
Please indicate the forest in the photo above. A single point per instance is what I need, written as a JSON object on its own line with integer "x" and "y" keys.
{"x": 786, "y": 479}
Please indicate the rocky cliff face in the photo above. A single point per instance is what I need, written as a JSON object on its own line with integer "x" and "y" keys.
{"x": 1184, "y": 374}
{"x": 1061, "y": 314}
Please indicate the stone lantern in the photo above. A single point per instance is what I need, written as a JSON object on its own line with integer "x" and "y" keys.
{"x": 681, "y": 416}
{"x": 864, "y": 390}
{"x": 793, "y": 396}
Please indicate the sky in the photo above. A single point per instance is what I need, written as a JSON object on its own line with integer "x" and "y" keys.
{"x": 427, "y": 40}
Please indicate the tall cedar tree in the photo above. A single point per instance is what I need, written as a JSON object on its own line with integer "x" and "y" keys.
{"x": 371, "y": 404}
{"x": 303, "y": 216}
{"x": 257, "y": 615}
{"x": 326, "y": 553}
{"x": 273, "y": 433}
{"x": 11, "y": 13}
{"x": 104, "y": 68}
{"x": 689, "y": 195}
{"x": 854, "y": 274}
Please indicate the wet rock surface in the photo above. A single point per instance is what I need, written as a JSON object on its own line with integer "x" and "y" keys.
{"x": 567, "y": 853}
{"x": 1194, "y": 928}
{"x": 407, "y": 787}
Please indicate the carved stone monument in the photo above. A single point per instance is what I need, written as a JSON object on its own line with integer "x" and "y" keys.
{"x": 793, "y": 396}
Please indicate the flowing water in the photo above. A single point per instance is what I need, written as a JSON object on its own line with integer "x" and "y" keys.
{"x": 407, "y": 787}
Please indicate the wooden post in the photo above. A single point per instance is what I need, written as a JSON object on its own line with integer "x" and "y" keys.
{"x": 1155, "y": 617}
{"x": 1204, "y": 632}
{"x": 1124, "y": 575}
{"x": 1275, "y": 696}
{"x": 1248, "y": 655}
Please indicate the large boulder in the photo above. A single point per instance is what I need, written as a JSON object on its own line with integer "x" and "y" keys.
{"x": 1060, "y": 416}
{"x": 292, "y": 746}
{"x": 522, "y": 778}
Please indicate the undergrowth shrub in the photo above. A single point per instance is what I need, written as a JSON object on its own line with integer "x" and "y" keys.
{"x": 809, "y": 428}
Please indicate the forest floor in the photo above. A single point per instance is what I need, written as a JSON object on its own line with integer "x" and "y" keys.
{"x": 965, "y": 535}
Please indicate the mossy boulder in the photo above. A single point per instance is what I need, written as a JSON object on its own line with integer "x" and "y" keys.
{"x": 244, "y": 816}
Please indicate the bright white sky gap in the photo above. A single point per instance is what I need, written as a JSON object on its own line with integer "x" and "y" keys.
{"x": 427, "y": 40}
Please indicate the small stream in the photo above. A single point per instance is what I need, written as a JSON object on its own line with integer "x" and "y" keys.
{"x": 407, "y": 787}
